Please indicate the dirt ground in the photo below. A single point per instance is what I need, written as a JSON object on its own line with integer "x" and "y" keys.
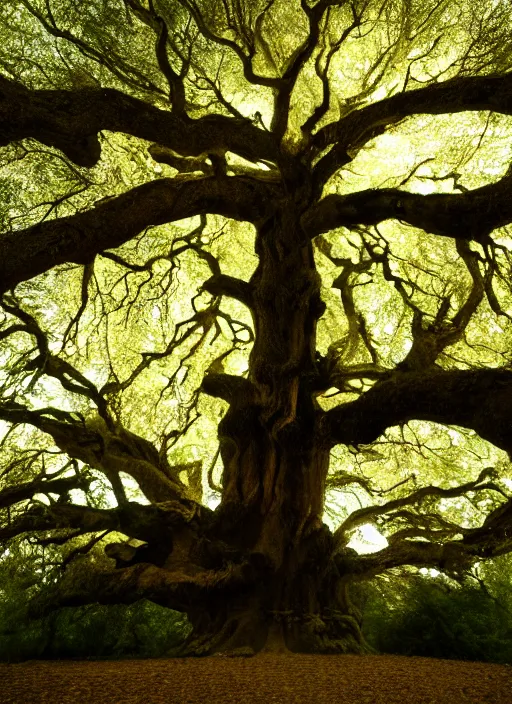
{"x": 265, "y": 679}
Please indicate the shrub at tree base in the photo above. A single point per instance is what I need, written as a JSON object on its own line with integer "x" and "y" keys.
{"x": 141, "y": 629}
{"x": 432, "y": 621}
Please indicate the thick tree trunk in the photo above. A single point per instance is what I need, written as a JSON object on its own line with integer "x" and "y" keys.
{"x": 275, "y": 467}
{"x": 271, "y": 450}
{"x": 258, "y": 573}
{"x": 300, "y": 607}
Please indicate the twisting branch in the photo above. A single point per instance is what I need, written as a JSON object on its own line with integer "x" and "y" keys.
{"x": 158, "y": 24}
{"x": 184, "y": 165}
{"x": 429, "y": 340}
{"x": 87, "y": 275}
{"x": 246, "y": 59}
{"x": 295, "y": 64}
{"x": 190, "y": 167}
{"x": 353, "y": 131}
{"x": 201, "y": 323}
{"x": 389, "y": 509}
{"x": 52, "y": 365}
{"x": 492, "y": 539}
{"x": 224, "y": 285}
{"x": 177, "y": 90}
{"x": 11, "y": 495}
{"x": 450, "y": 556}
{"x": 479, "y": 399}
{"x": 323, "y": 71}
{"x": 176, "y": 589}
{"x": 228, "y": 387}
{"x": 111, "y": 60}
{"x": 39, "y": 517}
{"x": 468, "y": 216}
{"x": 71, "y": 121}
{"x": 111, "y": 450}
{"x": 345, "y": 350}
{"x": 78, "y": 238}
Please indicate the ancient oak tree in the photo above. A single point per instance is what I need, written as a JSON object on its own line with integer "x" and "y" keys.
{"x": 255, "y": 275}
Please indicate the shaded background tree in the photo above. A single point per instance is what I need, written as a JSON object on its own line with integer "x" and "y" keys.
{"x": 255, "y": 274}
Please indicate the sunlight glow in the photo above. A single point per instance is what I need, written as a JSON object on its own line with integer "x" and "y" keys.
{"x": 4, "y": 427}
{"x": 367, "y": 539}
{"x": 213, "y": 501}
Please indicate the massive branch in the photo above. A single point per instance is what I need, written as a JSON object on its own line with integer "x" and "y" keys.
{"x": 71, "y": 121}
{"x": 78, "y": 238}
{"x": 173, "y": 589}
{"x": 451, "y": 556}
{"x": 162, "y": 528}
{"x": 83, "y": 519}
{"x": 479, "y": 399}
{"x": 108, "y": 450}
{"x": 391, "y": 508}
{"x": 11, "y": 495}
{"x": 224, "y": 285}
{"x": 470, "y": 216}
{"x": 353, "y": 131}
{"x": 228, "y": 387}
{"x": 492, "y": 539}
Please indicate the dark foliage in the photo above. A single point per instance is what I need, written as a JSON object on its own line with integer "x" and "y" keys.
{"x": 432, "y": 618}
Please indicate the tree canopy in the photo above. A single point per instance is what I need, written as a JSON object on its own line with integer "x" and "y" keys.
{"x": 255, "y": 281}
